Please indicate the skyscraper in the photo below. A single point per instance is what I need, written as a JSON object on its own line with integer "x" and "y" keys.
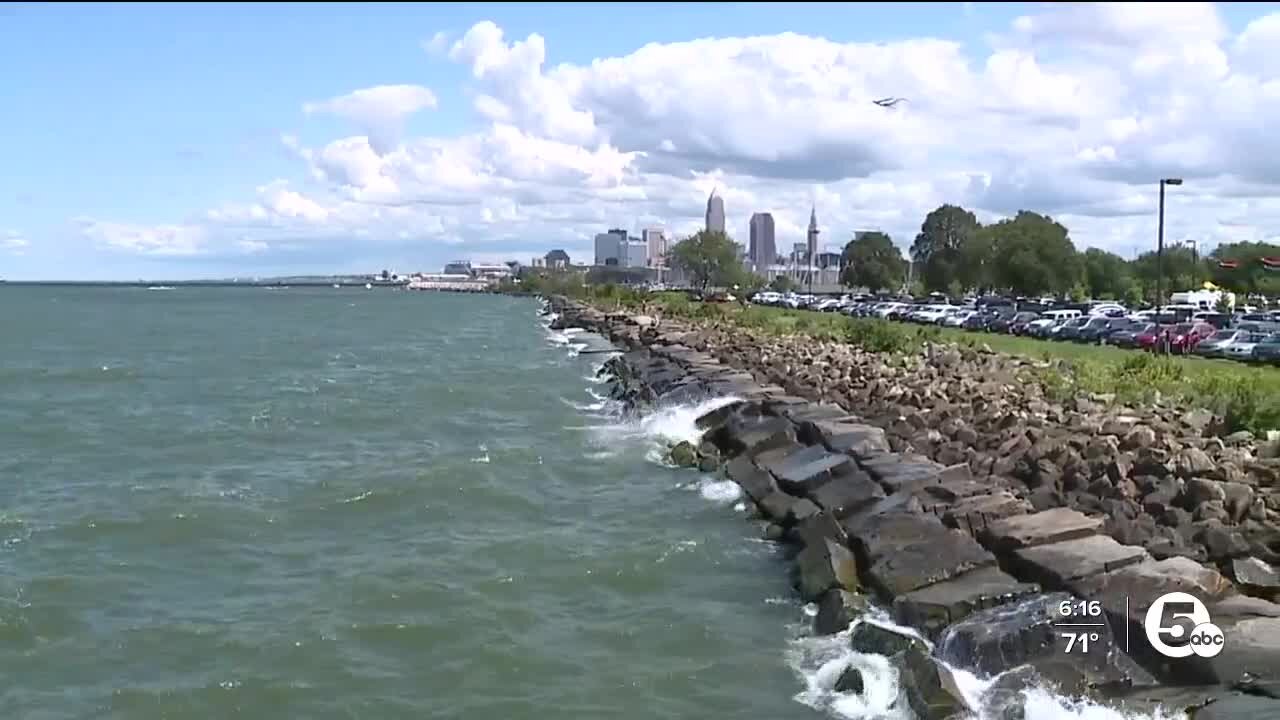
{"x": 813, "y": 234}
{"x": 715, "y": 213}
{"x": 656, "y": 240}
{"x": 762, "y": 250}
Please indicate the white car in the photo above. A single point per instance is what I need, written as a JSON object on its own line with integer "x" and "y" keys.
{"x": 1241, "y": 348}
{"x": 932, "y": 314}
{"x": 957, "y": 318}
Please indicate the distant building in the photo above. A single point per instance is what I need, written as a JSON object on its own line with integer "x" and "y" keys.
{"x": 458, "y": 267}
{"x": 556, "y": 260}
{"x": 800, "y": 253}
{"x": 812, "y": 237}
{"x": 539, "y": 262}
{"x": 826, "y": 260}
{"x": 655, "y": 240}
{"x": 490, "y": 272}
{"x": 715, "y": 213}
{"x": 762, "y": 249}
{"x": 616, "y": 249}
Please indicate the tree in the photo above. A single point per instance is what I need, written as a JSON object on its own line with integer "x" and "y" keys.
{"x": 1033, "y": 255}
{"x": 938, "y": 248}
{"x": 709, "y": 257}
{"x": 1238, "y": 267}
{"x": 782, "y": 284}
{"x": 1106, "y": 275}
{"x": 874, "y": 262}
{"x": 1180, "y": 271}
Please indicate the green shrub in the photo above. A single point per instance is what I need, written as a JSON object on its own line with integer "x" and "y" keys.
{"x": 874, "y": 335}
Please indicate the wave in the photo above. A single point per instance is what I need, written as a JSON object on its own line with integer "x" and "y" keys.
{"x": 819, "y": 661}
{"x": 661, "y": 428}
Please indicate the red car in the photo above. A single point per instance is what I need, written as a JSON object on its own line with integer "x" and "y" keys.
{"x": 1183, "y": 337}
{"x": 1149, "y": 338}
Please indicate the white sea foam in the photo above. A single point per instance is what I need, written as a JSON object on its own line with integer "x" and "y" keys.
{"x": 819, "y": 662}
{"x": 659, "y": 429}
{"x": 720, "y": 492}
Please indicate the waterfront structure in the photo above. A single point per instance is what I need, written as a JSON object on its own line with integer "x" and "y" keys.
{"x": 715, "y": 213}
{"x": 762, "y": 248}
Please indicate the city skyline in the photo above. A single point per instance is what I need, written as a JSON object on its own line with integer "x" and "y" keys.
{"x": 426, "y": 132}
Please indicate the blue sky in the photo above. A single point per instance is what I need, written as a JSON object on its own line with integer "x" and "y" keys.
{"x": 151, "y": 115}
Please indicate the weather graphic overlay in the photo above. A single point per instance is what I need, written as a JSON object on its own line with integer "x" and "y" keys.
{"x": 1080, "y": 625}
{"x": 1178, "y": 626}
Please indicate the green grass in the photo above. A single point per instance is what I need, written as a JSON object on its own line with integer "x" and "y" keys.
{"x": 1248, "y": 397}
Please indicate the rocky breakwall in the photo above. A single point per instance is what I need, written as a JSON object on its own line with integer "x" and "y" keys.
{"x": 990, "y": 574}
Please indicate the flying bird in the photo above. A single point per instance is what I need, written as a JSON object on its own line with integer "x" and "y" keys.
{"x": 889, "y": 101}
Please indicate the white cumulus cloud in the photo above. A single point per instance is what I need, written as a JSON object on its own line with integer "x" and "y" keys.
{"x": 1075, "y": 110}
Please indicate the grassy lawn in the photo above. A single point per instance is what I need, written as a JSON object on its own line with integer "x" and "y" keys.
{"x": 1248, "y": 397}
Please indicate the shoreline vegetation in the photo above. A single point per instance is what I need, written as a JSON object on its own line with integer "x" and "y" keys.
{"x": 1244, "y": 398}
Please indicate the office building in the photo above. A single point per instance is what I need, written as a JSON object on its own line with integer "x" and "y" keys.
{"x": 655, "y": 240}
{"x": 762, "y": 250}
{"x": 715, "y": 213}
{"x": 615, "y": 248}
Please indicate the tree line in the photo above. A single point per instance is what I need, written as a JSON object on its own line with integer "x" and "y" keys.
{"x": 1028, "y": 254}
{"x": 1032, "y": 254}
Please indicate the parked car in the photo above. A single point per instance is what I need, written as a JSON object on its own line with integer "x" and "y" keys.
{"x": 1267, "y": 350}
{"x": 1215, "y": 344}
{"x": 1151, "y": 337}
{"x": 1069, "y": 329}
{"x": 1018, "y": 324}
{"x": 1092, "y": 331}
{"x": 1242, "y": 348}
{"x": 1184, "y": 337}
{"x": 1128, "y": 337}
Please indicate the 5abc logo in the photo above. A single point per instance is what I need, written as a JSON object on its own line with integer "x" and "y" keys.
{"x": 1178, "y": 626}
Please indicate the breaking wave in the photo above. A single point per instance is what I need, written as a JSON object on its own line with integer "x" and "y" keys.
{"x": 819, "y": 661}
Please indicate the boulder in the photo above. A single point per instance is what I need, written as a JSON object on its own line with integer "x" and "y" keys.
{"x": 837, "y": 609}
{"x": 869, "y": 638}
{"x": 752, "y": 435}
{"x": 847, "y": 493}
{"x": 1042, "y": 528}
{"x": 850, "y": 681}
{"x": 1192, "y": 462}
{"x": 802, "y": 471}
{"x": 928, "y": 687}
{"x": 1200, "y": 491}
{"x": 908, "y": 551}
{"x": 756, "y": 483}
{"x": 934, "y": 607}
{"x": 902, "y": 471}
{"x": 683, "y": 454}
{"x": 1256, "y": 576}
{"x": 825, "y": 567}
{"x": 1059, "y": 564}
{"x": 852, "y": 438}
{"x": 974, "y": 514}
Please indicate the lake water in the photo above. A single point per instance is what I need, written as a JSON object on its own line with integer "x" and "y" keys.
{"x": 321, "y": 503}
{"x": 340, "y": 503}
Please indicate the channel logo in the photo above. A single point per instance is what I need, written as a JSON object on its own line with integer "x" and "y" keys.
{"x": 1178, "y": 626}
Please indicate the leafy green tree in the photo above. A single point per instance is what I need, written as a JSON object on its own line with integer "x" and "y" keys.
{"x": 938, "y": 248}
{"x": 1180, "y": 271}
{"x": 874, "y": 262}
{"x": 1238, "y": 267}
{"x": 1106, "y": 275}
{"x": 976, "y": 255}
{"x": 1033, "y": 255}
{"x": 708, "y": 257}
{"x": 782, "y": 284}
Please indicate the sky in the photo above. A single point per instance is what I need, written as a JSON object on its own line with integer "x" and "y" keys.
{"x": 144, "y": 141}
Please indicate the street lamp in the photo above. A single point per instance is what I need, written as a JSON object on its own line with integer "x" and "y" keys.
{"x": 1160, "y": 246}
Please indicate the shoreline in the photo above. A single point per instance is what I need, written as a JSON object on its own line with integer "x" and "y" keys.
{"x": 961, "y": 556}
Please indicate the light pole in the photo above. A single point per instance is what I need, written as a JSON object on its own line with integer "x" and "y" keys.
{"x": 1160, "y": 246}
